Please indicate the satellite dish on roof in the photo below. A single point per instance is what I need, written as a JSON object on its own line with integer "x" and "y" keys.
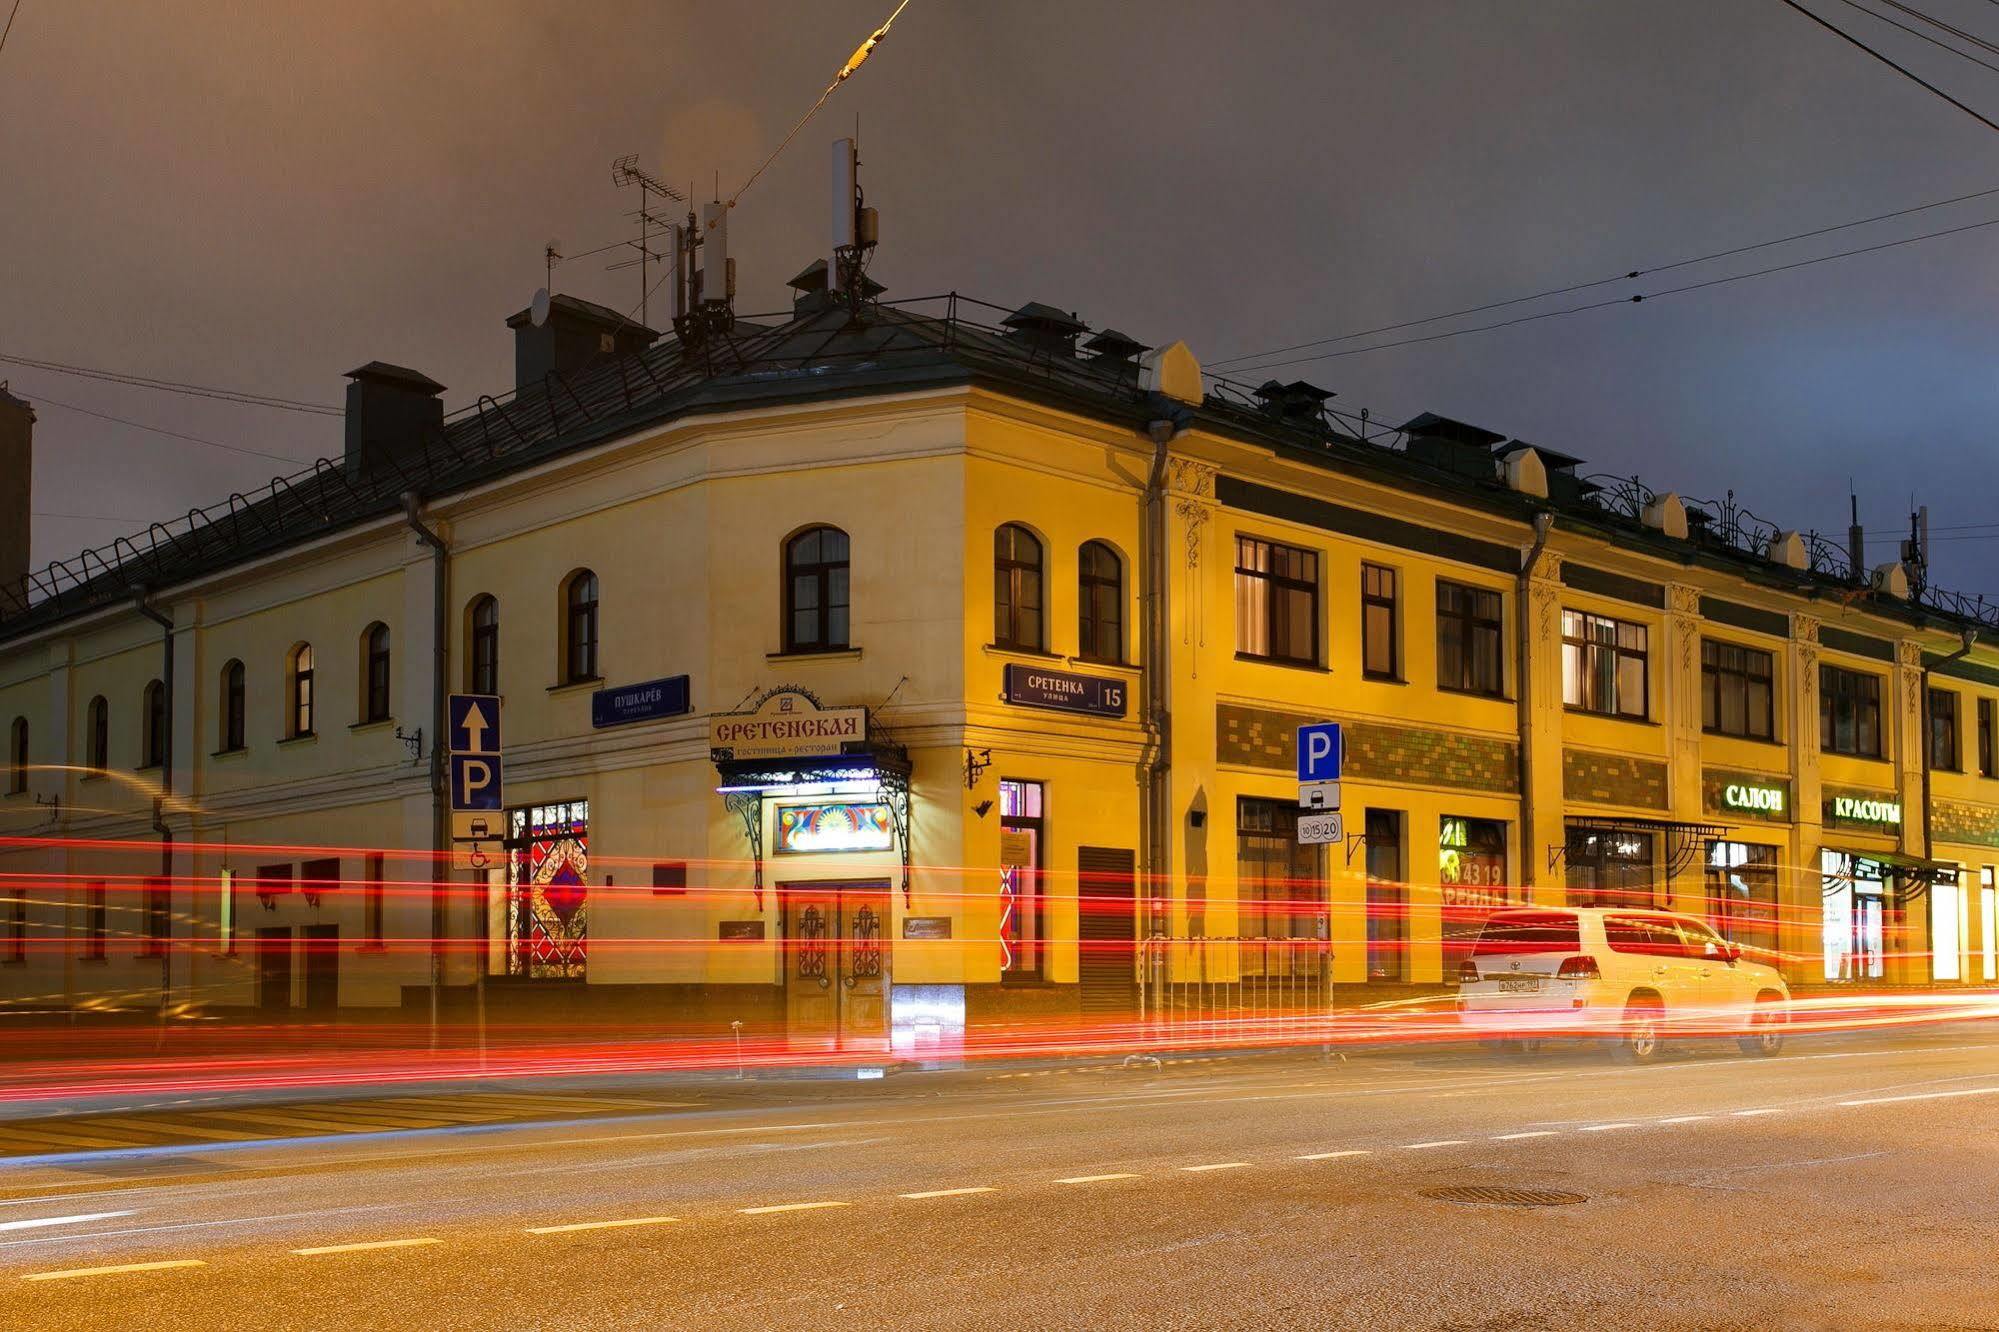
{"x": 538, "y": 308}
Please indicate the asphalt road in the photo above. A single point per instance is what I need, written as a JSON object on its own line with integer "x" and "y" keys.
{"x": 1851, "y": 1182}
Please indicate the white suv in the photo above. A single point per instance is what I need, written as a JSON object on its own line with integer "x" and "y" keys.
{"x": 1632, "y": 977}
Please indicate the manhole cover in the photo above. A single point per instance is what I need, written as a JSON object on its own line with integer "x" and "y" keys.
{"x": 1496, "y": 1196}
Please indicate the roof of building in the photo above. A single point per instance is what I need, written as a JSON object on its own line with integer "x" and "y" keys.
{"x": 823, "y": 351}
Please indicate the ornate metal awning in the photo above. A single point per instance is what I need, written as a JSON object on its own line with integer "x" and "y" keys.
{"x": 877, "y": 768}
{"x": 1913, "y": 874}
{"x": 1683, "y": 840}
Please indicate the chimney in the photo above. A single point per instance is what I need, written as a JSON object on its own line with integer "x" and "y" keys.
{"x": 390, "y": 411}
{"x": 576, "y": 334}
{"x": 1296, "y": 401}
{"x": 17, "y": 468}
{"x": 1114, "y": 350}
{"x": 1454, "y": 446}
{"x": 1044, "y": 328}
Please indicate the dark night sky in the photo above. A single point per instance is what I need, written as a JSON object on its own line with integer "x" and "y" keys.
{"x": 265, "y": 196}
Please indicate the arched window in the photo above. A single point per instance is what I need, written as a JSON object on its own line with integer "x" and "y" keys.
{"x": 153, "y": 728}
{"x": 1100, "y": 603}
{"x": 17, "y": 757}
{"x": 815, "y": 591}
{"x": 97, "y": 734}
{"x": 375, "y": 673}
{"x": 230, "y": 735}
{"x": 298, "y": 707}
{"x": 579, "y": 638}
{"x": 482, "y": 657}
{"x": 1017, "y": 589}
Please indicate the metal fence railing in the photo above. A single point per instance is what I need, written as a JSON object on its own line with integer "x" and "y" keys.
{"x": 1233, "y": 990}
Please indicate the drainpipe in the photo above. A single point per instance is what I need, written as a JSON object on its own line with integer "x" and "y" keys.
{"x": 1158, "y": 720}
{"x": 166, "y": 623}
{"x": 1544, "y": 523}
{"x": 1969, "y": 637}
{"x": 439, "y": 817}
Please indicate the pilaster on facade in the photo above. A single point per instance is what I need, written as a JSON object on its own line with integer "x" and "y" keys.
{"x": 1542, "y": 734}
{"x": 1680, "y": 699}
{"x": 1910, "y": 738}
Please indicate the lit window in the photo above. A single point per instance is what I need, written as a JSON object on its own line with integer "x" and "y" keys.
{"x": 1379, "y": 657}
{"x": 299, "y": 719}
{"x": 1604, "y": 665}
{"x": 1470, "y": 658}
{"x": 1276, "y": 602}
{"x": 1023, "y": 906}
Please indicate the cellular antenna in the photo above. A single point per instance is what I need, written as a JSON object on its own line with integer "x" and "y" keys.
{"x": 626, "y": 172}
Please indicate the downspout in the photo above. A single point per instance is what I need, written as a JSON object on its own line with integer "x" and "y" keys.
{"x": 439, "y": 817}
{"x": 1969, "y": 637}
{"x": 1544, "y": 523}
{"x": 1158, "y": 719}
{"x": 166, "y": 623}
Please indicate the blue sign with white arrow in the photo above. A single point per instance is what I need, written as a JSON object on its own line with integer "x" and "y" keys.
{"x": 1319, "y": 752}
{"x": 475, "y": 724}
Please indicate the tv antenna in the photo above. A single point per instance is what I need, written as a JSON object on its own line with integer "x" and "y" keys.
{"x": 625, "y": 172}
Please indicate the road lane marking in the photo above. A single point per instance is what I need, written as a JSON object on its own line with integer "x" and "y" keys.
{"x": 1685, "y": 1119}
{"x": 1531, "y": 1133}
{"x": 601, "y": 1225}
{"x": 1441, "y": 1142}
{"x": 1328, "y": 1156}
{"x": 365, "y": 1245}
{"x": 1924, "y": 1096}
{"x": 1765, "y": 1110}
{"x": 67, "y": 1273}
{"x": 950, "y": 1193}
{"x": 789, "y": 1207}
{"x": 1094, "y": 1179}
{"x": 78, "y": 1219}
{"x": 1605, "y": 1128}
{"x": 1219, "y": 1165}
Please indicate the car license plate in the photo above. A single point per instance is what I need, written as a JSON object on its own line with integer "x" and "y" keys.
{"x": 1519, "y": 984}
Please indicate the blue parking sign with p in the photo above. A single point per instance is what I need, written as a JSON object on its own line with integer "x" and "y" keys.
{"x": 475, "y": 781}
{"x": 1319, "y": 752}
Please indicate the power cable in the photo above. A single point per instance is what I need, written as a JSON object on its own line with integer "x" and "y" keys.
{"x": 1631, "y": 300}
{"x": 1919, "y": 35}
{"x": 1848, "y": 37}
{"x": 39, "y": 400}
{"x": 10, "y": 24}
{"x": 1939, "y": 24}
{"x": 173, "y": 386}
{"x": 1621, "y": 277}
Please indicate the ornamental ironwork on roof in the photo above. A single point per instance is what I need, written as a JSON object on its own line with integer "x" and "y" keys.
{"x": 822, "y": 350}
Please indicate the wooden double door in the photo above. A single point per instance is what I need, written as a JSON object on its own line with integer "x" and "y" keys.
{"x": 836, "y": 963}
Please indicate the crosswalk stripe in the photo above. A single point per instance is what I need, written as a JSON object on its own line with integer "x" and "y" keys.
{"x": 40, "y": 1139}
{"x": 174, "y": 1128}
{"x": 309, "y": 1123}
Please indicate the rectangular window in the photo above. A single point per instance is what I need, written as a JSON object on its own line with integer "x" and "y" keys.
{"x": 1986, "y": 758}
{"x": 1604, "y": 665}
{"x": 1470, "y": 628}
{"x": 1988, "y": 923}
{"x": 17, "y": 924}
{"x": 1943, "y": 729}
{"x": 1849, "y": 712}
{"x": 1611, "y": 867}
{"x": 1023, "y": 899}
{"x": 1471, "y": 872}
{"x": 1947, "y": 930}
{"x": 669, "y": 878}
{"x": 1387, "y": 897}
{"x": 225, "y": 911}
{"x": 372, "y": 901}
{"x": 1280, "y": 886}
{"x": 96, "y": 923}
{"x": 1276, "y": 602}
{"x": 1736, "y": 690}
{"x": 1742, "y": 896}
{"x": 159, "y": 918}
{"x": 317, "y": 877}
{"x": 1380, "y": 658}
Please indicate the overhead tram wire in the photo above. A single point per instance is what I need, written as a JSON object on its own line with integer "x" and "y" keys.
{"x": 237, "y": 396}
{"x": 1602, "y": 282}
{"x": 1905, "y": 72}
{"x": 1630, "y": 300}
{"x": 1921, "y": 36}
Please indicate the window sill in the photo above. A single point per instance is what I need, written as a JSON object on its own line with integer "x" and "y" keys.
{"x": 1371, "y": 678}
{"x": 1104, "y": 664}
{"x": 379, "y": 724}
{"x": 1287, "y": 664}
{"x": 592, "y": 682}
{"x": 815, "y": 654}
{"x": 237, "y": 751}
{"x": 1863, "y": 758}
{"x": 1574, "y": 711}
{"x": 1009, "y": 650}
{"x": 1501, "y": 697}
{"x": 302, "y": 738}
{"x": 145, "y": 767}
{"x": 97, "y": 776}
{"x": 1745, "y": 739}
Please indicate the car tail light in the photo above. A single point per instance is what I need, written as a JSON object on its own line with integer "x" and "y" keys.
{"x": 1579, "y": 968}
{"x": 1467, "y": 972}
